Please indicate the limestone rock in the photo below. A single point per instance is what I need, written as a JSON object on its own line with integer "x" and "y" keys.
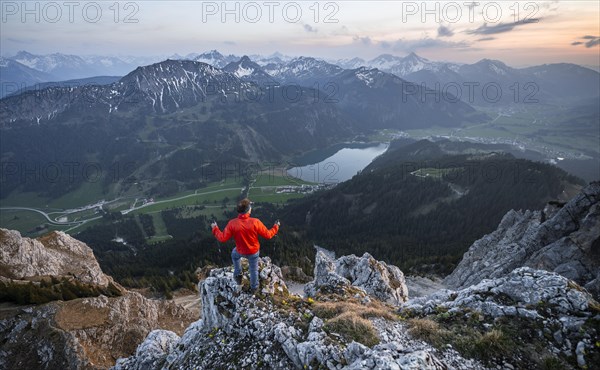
{"x": 56, "y": 254}
{"x": 152, "y": 352}
{"x": 515, "y": 294}
{"x": 280, "y": 331}
{"x": 85, "y": 333}
{"x": 376, "y": 278}
{"x": 565, "y": 240}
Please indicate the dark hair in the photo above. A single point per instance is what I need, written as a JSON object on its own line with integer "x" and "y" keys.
{"x": 244, "y": 205}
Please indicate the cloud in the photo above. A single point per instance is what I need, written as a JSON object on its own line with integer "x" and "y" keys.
{"x": 405, "y": 45}
{"x": 444, "y": 31}
{"x": 309, "y": 28}
{"x": 500, "y": 27}
{"x": 427, "y": 43}
{"x": 590, "y": 43}
{"x": 487, "y": 39}
{"x": 229, "y": 42}
{"x": 365, "y": 40}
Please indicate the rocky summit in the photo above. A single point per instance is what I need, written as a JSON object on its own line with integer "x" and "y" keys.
{"x": 345, "y": 325}
{"x": 563, "y": 238}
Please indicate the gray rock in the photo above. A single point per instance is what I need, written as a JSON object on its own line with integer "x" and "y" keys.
{"x": 240, "y": 330}
{"x": 376, "y": 278}
{"x": 85, "y": 332}
{"x": 55, "y": 254}
{"x": 151, "y": 353}
{"x": 579, "y": 352}
{"x": 511, "y": 295}
{"x": 556, "y": 239}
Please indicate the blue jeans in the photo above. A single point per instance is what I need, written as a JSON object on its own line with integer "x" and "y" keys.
{"x": 252, "y": 261}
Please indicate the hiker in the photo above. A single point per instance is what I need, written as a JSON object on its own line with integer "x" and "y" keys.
{"x": 245, "y": 231}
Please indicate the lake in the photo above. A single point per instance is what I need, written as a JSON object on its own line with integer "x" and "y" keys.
{"x": 336, "y": 165}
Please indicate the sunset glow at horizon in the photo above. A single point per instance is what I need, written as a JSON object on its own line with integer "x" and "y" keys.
{"x": 525, "y": 33}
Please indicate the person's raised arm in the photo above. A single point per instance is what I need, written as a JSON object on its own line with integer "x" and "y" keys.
{"x": 267, "y": 233}
{"x": 221, "y": 236}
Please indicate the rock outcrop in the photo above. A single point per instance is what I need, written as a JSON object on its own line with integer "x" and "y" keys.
{"x": 516, "y": 294}
{"x": 562, "y": 239}
{"x": 55, "y": 254}
{"x": 275, "y": 330}
{"x": 376, "y": 278}
{"x": 561, "y": 318}
{"x": 86, "y": 333}
{"x": 80, "y": 333}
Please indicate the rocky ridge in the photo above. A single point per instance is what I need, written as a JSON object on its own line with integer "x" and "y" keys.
{"x": 550, "y": 317}
{"x": 561, "y": 238}
{"x": 275, "y": 330}
{"x": 79, "y": 333}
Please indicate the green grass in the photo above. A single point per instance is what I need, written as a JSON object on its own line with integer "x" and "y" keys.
{"x": 265, "y": 179}
{"x": 159, "y": 226}
{"x": 24, "y": 199}
{"x": 542, "y": 127}
{"x": 198, "y": 199}
{"x": 87, "y": 193}
{"x": 21, "y": 220}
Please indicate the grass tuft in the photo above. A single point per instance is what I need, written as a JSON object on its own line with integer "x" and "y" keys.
{"x": 352, "y": 327}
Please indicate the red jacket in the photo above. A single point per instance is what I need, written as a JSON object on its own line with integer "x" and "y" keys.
{"x": 245, "y": 230}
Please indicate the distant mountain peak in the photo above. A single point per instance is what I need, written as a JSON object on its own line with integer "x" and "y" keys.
{"x": 213, "y": 52}
{"x": 386, "y": 57}
{"x": 491, "y": 61}
{"x": 23, "y": 53}
{"x": 248, "y": 70}
{"x": 215, "y": 58}
{"x": 414, "y": 57}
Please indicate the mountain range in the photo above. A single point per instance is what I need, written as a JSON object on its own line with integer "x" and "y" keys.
{"x": 485, "y": 82}
{"x": 213, "y": 114}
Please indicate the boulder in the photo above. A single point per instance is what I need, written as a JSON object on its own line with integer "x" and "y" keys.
{"x": 376, "y": 278}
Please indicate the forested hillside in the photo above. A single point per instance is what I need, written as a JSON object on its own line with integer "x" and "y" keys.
{"x": 418, "y": 204}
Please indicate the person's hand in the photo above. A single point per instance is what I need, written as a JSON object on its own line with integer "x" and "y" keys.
{"x": 213, "y": 225}
{"x": 277, "y": 223}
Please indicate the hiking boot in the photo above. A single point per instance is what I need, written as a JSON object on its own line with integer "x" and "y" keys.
{"x": 238, "y": 279}
{"x": 254, "y": 291}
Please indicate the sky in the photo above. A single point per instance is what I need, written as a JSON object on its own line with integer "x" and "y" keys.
{"x": 520, "y": 33}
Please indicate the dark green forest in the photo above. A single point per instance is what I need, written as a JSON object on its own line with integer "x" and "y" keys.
{"x": 417, "y": 207}
{"x": 424, "y": 223}
{"x": 53, "y": 289}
